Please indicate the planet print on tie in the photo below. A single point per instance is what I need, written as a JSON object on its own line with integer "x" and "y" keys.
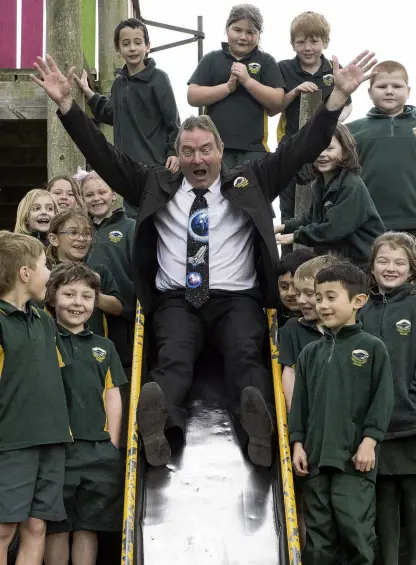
{"x": 197, "y": 266}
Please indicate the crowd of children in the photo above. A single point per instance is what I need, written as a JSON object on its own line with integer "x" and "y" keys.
{"x": 66, "y": 286}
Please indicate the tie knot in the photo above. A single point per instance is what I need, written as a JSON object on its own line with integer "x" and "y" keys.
{"x": 200, "y": 192}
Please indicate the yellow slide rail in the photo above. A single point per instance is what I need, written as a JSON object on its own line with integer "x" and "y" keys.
{"x": 132, "y": 463}
{"x": 284, "y": 446}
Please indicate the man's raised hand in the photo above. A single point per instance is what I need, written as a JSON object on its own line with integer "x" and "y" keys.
{"x": 348, "y": 79}
{"x": 54, "y": 83}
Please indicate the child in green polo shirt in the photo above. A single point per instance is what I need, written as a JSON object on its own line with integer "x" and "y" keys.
{"x": 34, "y": 424}
{"x": 240, "y": 86}
{"x": 386, "y": 145}
{"x": 341, "y": 407}
{"x": 309, "y": 71}
{"x": 94, "y": 467}
{"x": 301, "y": 330}
{"x": 113, "y": 247}
{"x": 390, "y": 314}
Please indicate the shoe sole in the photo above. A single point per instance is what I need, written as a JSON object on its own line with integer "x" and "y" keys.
{"x": 152, "y": 414}
{"x": 257, "y": 422}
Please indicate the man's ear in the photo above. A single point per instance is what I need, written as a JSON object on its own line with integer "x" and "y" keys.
{"x": 360, "y": 300}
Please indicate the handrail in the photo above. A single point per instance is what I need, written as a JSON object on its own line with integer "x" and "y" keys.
{"x": 292, "y": 530}
{"x": 133, "y": 446}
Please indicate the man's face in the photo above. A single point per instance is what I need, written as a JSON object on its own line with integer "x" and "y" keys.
{"x": 199, "y": 157}
{"x": 306, "y": 298}
{"x": 389, "y": 92}
{"x": 287, "y": 292}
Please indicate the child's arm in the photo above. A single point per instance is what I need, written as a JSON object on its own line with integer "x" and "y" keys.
{"x": 269, "y": 97}
{"x": 109, "y": 304}
{"x": 114, "y": 408}
{"x": 288, "y": 383}
{"x": 203, "y": 89}
{"x": 306, "y": 87}
{"x": 114, "y": 413}
{"x": 101, "y": 106}
{"x": 207, "y": 95}
{"x": 342, "y": 219}
{"x": 299, "y": 410}
{"x": 109, "y": 299}
{"x": 379, "y": 413}
{"x": 170, "y": 116}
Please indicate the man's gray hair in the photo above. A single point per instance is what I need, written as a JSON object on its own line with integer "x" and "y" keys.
{"x": 246, "y": 12}
{"x": 198, "y": 122}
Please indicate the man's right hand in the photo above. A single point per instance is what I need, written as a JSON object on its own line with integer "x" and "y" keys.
{"x": 54, "y": 83}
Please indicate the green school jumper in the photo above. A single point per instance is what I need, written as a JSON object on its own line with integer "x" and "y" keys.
{"x": 294, "y": 336}
{"x": 343, "y": 392}
{"x": 392, "y": 318}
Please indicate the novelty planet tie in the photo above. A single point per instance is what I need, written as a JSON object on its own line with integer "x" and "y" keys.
{"x": 197, "y": 266}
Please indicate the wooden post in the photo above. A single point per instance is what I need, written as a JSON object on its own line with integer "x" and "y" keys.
{"x": 110, "y": 14}
{"x": 63, "y": 42}
{"x": 308, "y": 105}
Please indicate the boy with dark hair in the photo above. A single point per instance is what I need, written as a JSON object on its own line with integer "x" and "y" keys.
{"x": 34, "y": 423}
{"x": 299, "y": 331}
{"x": 307, "y": 72}
{"x": 341, "y": 407}
{"x": 93, "y": 486}
{"x": 288, "y": 305}
{"x": 142, "y": 106}
{"x": 386, "y": 146}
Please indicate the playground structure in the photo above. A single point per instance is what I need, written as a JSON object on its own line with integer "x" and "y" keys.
{"x": 33, "y": 145}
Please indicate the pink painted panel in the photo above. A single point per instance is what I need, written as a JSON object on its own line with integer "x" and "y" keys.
{"x": 8, "y": 34}
{"x": 32, "y": 31}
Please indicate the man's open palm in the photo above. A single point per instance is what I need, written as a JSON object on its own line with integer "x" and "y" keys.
{"x": 54, "y": 83}
{"x": 348, "y": 79}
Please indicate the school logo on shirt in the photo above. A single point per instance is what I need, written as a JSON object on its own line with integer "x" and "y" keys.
{"x": 254, "y": 68}
{"x": 99, "y": 354}
{"x": 240, "y": 182}
{"x": 115, "y": 236}
{"x": 328, "y": 79}
{"x": 403, "y": 327}
{"x": 359, "y": 357}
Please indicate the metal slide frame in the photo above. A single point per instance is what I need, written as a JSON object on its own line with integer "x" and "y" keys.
{"x": 133, "y": 472}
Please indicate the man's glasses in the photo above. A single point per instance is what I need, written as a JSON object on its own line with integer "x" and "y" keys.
{"x": 76, "y": 234}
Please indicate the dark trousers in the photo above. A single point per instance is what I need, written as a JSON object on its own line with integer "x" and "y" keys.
{"x": 236, "y": 325}
{"x": 393, "y": 494}
{"x": 339, "y": 511}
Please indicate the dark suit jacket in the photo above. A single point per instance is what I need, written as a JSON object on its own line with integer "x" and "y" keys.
{"x": 150, "y": 188}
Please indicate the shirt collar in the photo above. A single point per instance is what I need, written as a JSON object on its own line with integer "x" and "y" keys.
{"x": 214, "y": 188}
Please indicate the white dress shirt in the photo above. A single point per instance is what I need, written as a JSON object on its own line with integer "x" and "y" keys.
{"x": 231, "y": 253}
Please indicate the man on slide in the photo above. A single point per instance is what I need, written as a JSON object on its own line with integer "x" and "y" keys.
{"x": 205, "y": 256}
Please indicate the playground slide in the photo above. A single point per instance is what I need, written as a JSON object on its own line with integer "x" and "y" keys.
{"x": 210, "y": 505}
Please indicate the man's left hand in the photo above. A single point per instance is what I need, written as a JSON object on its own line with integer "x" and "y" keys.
{"x": 284, "y": 239}
{"x": 348, "y": 79}
{"x": 240, "y": 71}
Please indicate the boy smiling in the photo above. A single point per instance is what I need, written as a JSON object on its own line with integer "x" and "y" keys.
{"x": 341, "y": 407}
